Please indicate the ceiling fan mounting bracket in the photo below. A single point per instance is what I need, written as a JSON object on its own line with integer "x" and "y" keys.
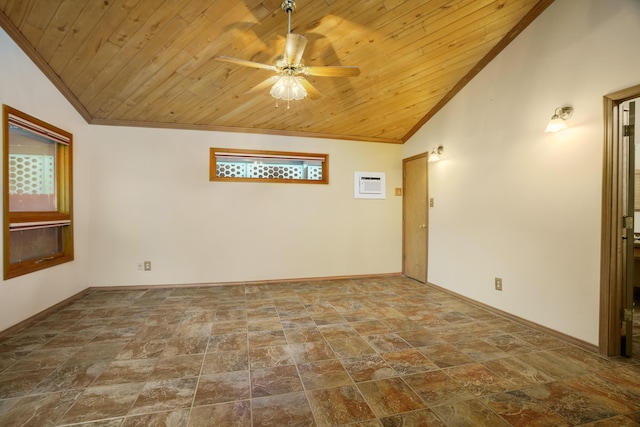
{"x": 288, "y": 6}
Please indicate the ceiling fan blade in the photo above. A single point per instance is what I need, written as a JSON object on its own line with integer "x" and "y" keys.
{"x": 332, "y": 71}
{"x": 244, "y": 63}
{"x": 294, "y": 48}
{"x": 263, "y": 85}
{"x": 312, "y": 92}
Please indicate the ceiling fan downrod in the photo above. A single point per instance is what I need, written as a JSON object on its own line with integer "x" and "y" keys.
{"x": 288, "y": 6}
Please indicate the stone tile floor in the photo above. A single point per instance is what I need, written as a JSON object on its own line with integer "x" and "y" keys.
{"x": 366, "y": 352}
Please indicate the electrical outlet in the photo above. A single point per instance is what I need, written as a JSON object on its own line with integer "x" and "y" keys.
{"x": 498, "y": 284}
{"x": 147, "y": 266}
{"x": 431, "y": 202}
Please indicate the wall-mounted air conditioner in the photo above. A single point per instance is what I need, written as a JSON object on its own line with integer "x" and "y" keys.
{"x": 369, "y": 185}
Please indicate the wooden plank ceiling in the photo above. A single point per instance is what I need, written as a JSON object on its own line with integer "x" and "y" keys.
{"x": 150, "y": 62}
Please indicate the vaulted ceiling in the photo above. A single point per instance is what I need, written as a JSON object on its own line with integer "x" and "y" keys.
{"x": 151, "y": 62}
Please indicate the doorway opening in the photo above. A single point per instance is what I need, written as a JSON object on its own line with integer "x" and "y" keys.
{"x": 617, "y": 245}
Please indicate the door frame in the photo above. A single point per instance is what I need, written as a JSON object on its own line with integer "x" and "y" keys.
{"x": 611, "y": 253}
{"x": 404, "y": 162}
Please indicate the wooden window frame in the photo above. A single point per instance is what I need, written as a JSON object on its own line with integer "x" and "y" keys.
{"x": 258, "y": 154}
{"x": 62, "y": 217}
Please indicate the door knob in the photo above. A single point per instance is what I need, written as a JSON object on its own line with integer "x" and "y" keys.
{"x": 423, "y": 226}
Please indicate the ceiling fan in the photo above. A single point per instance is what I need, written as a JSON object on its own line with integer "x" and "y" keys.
{"x": 288, "y": 83}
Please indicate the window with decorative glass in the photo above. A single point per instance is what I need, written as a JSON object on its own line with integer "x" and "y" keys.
{"x": 270, "y": 166}
{"x": 37, "y": 167}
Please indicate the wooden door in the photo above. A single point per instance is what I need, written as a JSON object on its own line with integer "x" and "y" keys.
{"x": 415, "y": 218}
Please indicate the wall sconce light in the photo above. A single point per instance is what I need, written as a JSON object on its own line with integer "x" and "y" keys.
{"x": 434, "y": 156}
{"x": 557, "y": 121}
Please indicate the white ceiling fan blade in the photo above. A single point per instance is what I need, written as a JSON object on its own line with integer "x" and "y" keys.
{"x": 312, "y": 92}
{"x": 294, "y": 48}
{"x": 332, "y": 71}
{"x": 244, "y": 63}
{"x": 263, "y": 85}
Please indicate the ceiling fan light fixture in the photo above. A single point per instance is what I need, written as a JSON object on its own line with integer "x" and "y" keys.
{"x": 288, "y": 88}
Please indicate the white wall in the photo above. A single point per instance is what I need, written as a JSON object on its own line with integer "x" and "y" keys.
{"x": 517, "y": 203}
{"x": 24, "y": 87}
{"x": 152, "y": 200}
